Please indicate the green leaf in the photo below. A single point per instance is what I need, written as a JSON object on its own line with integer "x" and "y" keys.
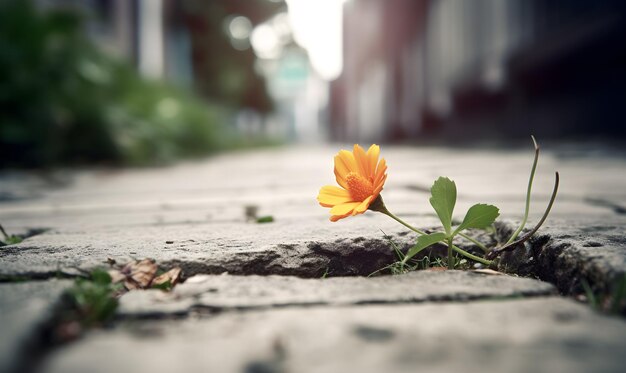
{"x": 265, "y": 219}
{"x": 443, "y": 199}
{"x": 479, "y": 216}
{"x": 167, "y": 285}
{"x": 101, "y": 277}
{"x": 422, "y": 243}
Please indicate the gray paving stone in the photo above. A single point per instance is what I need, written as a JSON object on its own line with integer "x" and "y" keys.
{"x": 289, "y": 248}
{"x": 24, "y": 308}
{"x": 223, "y": 292}
{"x": 530, "y": 335}
{"x": 594, "y": 253}
{"x": 570, "y": 251}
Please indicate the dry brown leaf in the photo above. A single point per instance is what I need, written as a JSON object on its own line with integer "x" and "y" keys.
{"x": 142, "y": 275}
{"x": 173, "y": 276}
{"x": 116, "y": 276}
{"x": 139, "y": 274}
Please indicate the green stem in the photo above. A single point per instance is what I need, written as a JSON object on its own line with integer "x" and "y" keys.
{"x": 474, "y": 241}
{"x": 420, "y": 232}
{"x": 493, "y": 253}
{"x": 449, "y": 244}
{"x": 472, "y": 256}
{"x": 530, "y": 186}
{"x": 379, "y": 206}
{"x": 4, "y": 233}
{"x": 450, "y": 257}
{"x": 455, "y": 248}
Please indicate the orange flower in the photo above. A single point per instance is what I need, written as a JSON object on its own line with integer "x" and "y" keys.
{"x": 361, "y": 177}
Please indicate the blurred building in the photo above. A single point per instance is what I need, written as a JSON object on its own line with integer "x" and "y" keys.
{"x": 452, "y": 68}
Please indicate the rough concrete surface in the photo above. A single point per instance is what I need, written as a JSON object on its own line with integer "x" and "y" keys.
{"x": 194, "y": 215}
{"x": 25, "y": 307}
{"x": 532, "y": 335}
{"x": 288, "y": 247}
{"x": 569, "y": 251}
{"x": 224, "y": 292}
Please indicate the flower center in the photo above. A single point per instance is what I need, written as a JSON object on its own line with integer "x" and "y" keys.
{"x": 359, "y": 187}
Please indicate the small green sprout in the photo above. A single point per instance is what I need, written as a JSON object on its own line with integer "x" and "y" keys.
{"x": 265, "y": 219}
{"x": 93, "y": 299}
{"x": 591, "y": 296}
{"x": 405, "y": 264}
{"x": 326, "y": 272}
{"x": 613, "y": 302}
{"x": 443, "y": 200}
{"x": 12, "y": 240}
{"x": 9, "y": 239}
{"x": 167, "y": 286}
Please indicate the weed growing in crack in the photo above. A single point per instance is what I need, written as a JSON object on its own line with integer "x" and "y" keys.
{"x": 91, "y": 302}
{"x": 9, "y": 239}
{"x": 12, "y": 239}
{"x": 612, "y": 303}
{"x": 326, "y": 273}
{"x": 591, "y": 296}
{"x": 92, "y": 299}
{"x": 362, "y": 176}
{"x": 404, "y": 265}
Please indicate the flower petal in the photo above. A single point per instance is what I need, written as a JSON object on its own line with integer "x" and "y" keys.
{"x": 330, "y": 196}
{"x": 379, "y": 187}
{"x": 341, "y": 179}
{"x": 334, "y": 191}
{"x": 345, "y": 162}
{"x": 372, "y": 157}
{"x": 334, "y": 218}
{"x": 363, "y": 206}
{"x": 380, "y": 172}
{"x": 361, "y": 161}
{"x": 344, "y": 208}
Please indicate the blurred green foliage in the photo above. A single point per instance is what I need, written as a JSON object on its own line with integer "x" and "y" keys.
{"x": 92, "y": 300}
{"x": 62, "y": 101}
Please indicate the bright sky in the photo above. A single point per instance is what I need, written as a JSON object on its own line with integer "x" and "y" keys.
{"x": 317, "y": 27}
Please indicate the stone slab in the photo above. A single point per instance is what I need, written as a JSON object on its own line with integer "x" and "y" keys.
{"x": 224, "y": 292}
{"x": 530, "y": 335}
{"x": 595, "y": 253}
{"x": 24, "y": 308}
{"x": 309, "y": 249}
{"x": 566, "y": 252}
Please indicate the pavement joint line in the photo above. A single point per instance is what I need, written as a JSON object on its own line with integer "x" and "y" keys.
{"x": 208, "y": 311}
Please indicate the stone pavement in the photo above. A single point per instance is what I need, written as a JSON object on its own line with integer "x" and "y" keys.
{"x": 266, "y": 297}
